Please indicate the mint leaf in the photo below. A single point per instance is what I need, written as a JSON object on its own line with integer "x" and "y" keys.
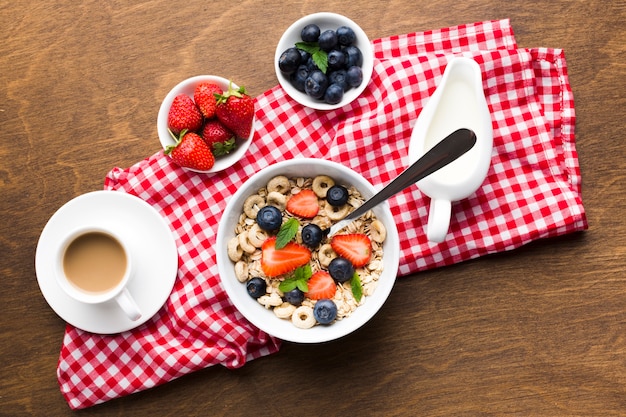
{"x": 302, "y": 286}
{"x": 357, "y": 290}
{"x": 288, "y": 285}
{"x": 300, "y": 276}
{"x": 321, "y": 60}
{"x": 287, "y": 232}
{"x": 310, "y": 47}
{"x": 320, "y": 57}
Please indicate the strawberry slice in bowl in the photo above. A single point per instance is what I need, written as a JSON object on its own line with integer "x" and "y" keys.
{"x": 188, "y": 87}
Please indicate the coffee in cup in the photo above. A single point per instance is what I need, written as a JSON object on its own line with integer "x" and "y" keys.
{"x": 94, "y": 266}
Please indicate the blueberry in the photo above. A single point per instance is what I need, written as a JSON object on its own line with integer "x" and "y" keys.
{"x": 354, "y": 76}
{"x": 337, "y": 195}
{"x": 310, "y": 33}
{"x": 256, "y": 287}
{"x": 311, "y": 65}
{"x": 325, "y": 311}
{"x": 327, "y": 40}
{"x": 341, "y": 269}
{"x": 289, "y": 60}
{"x": 338, "y": 77}
{"x": 269, "y": 218}
{"x": 345, "y": 35}
{"x": 354, "y": 56}
{"x": 294, "y": 297}
{"x": 298, "y": 78}
{"x": 312, "y": 235}
{"x": 316, "y": 84}
{"x": 333, "y": 94}
{"x": 304, "y": 56}
{"x": 336, "y": 59}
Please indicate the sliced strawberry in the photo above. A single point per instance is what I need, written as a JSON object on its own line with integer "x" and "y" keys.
{"x": 355, "y": 247}
{"x": 321, "y": 285}
{"x": 275, "y": 262}
{"x": 304, "y": 204}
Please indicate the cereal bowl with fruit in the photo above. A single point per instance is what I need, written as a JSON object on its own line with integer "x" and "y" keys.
{"x": 284, "y": 274}
{"x": 324, "y": 61}
{"x": 206, "y": 123}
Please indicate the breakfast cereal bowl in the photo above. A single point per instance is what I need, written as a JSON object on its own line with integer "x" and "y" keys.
{"x": 325, "y": 21}
{"x": 265, "y": 318}
{"x": 187, "y": 87}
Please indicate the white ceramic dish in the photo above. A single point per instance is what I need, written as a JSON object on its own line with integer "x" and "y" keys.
{"x": 187, "y": 87}
{"x": 149, "y": 240}
{"x": 325, "y": 21}
{"x": 265, "y": 319}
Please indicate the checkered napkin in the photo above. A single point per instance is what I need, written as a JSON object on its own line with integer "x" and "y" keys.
{"x": 532, "y": 191}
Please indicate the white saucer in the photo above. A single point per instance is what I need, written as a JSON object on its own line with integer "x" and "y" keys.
{"x": 150, "y": 242}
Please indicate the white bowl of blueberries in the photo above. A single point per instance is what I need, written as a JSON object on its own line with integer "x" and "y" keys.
{"x": 324, "y": 61}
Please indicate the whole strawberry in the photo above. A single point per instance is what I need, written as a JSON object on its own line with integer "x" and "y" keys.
{"x": 191, "y": 151}
{"x": 236, "y": 110}
{"x": 204, "y": 97}
{"x": 220, "y": 139}
{"x": 184, "y": 115}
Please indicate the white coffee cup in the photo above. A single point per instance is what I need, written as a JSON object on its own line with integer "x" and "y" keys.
{"x": 458, "y": 102}
{"x": 94, "y": 266}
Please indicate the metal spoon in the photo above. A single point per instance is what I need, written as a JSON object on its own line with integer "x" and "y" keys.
{"x": 444, "y": 152}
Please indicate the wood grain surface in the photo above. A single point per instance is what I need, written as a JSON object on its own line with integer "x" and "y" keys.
{"x": 539, "y": 331}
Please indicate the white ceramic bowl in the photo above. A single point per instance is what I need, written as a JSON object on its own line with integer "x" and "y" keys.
{"x": 325, "y": 21}
{"x": 187, "y": 87}
{"x": 265, "y": 319}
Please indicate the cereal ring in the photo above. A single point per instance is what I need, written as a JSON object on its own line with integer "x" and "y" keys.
{"x": 277, "y": 199}
{"x": 321, "y": 184}
{"x": 234, "y": 249}
{"x": 241, "y": 271}
{"x": 378, "y": 233}
{"x": 303, "y": 317}
{"x": 256, "y": 236}
{"x": 284, "y": 311}
{"x": 252, "y": 205}
{"x": 280, "y": 184}
{"x": 337, "y": 213}
{"x": 245, "y": 244}
{"x": 325, "y": 254}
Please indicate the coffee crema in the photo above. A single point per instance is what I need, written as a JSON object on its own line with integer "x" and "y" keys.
{"x": 95, "y": 262}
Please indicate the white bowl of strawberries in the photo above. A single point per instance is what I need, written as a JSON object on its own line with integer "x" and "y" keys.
{"x": 286, "y": 278}
{"x": 206, "y": 123}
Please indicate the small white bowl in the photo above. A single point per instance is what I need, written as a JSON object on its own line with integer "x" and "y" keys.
{"x": 187, "y": 87}
{"x": 325, "y": 21}
{"x": 265, "y": 319}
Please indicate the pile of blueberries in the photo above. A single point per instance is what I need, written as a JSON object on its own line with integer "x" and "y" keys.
{"x": 344, "y": 60}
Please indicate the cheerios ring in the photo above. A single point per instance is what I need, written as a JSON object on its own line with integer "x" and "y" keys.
{"x": 303, "y": 317}
{"x": 321, "y": 184}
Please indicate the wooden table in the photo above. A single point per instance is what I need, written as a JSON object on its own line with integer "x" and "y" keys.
{"x": 537, "y": 331}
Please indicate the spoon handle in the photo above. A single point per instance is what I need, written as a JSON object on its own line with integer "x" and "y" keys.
{"x": 440, "y": 155}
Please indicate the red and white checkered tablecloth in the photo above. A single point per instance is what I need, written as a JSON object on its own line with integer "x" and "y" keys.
{"x": 532, "y": 191}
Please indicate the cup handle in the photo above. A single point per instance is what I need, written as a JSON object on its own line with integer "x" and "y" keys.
{"x": 438, "y": 220}
{"x": 128, "y": 305}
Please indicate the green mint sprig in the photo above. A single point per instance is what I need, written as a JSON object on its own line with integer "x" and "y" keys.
{"x": 287, "y": 232}
{"x": 357, "y": 289}
{"x": 320, "y": 57}
{"x": 298, "y": 280}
